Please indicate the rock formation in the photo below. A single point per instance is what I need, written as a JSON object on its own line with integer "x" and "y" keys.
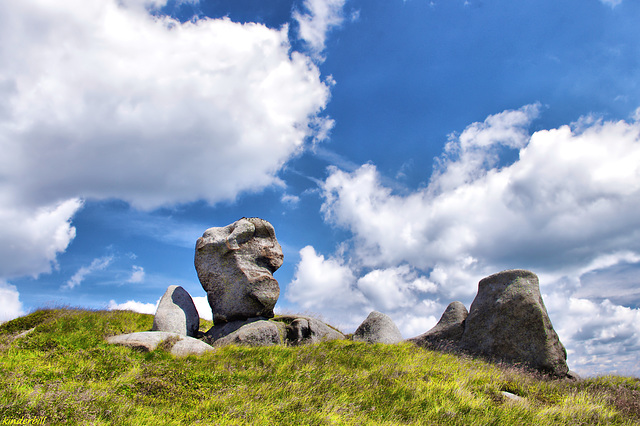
{"x": 287, "y": 329}
{"x": 378, "y": 328}
{"x": 507, "y": 322}
{"x": 235, "y": 264}
{"x": 447, "y": 333}
{"x": 176, "y": 313}
{"x": 304, "y": 330}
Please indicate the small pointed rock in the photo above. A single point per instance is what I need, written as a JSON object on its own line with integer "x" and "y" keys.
{"x": 447, "y": 333}
{"x": 177, "y": 313}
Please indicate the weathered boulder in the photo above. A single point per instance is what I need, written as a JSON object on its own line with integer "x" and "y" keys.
{"x": 235, "y": 264}
{"x": 288, "y": 330}
{"x": 254, "y": 333}
{"x": 378, "y": 328}
{"x": 176, "y": 313}
{"x": 509, "y": 322}
{"x": 306, "y": 330}
{"x": 447, "y": 332}
{"x": 147, "y": 341}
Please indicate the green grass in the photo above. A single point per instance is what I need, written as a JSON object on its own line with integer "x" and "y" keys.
{"x": 64, "y": 370}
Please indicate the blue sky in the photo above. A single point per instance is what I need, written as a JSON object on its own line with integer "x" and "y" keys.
{"x": 403, "y": 150}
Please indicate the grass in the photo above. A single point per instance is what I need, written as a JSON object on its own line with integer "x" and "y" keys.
{"x": 63, "y": 371}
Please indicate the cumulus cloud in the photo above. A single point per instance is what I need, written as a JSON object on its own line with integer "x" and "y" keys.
{"x": 98, "y": 264}
{"x": 320, "y": 17}
{"x": 10, "y": 305}
{"x": 566, "y": 209}
{"x": 202, "y": 305}
{"x": 102, "y": 99}
{"x": 30, "y": 239}
{"x": 330, "y": 287}
{"x": 132, "y": 305}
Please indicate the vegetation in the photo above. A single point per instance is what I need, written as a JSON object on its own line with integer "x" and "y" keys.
{"x": 63, "y": 371}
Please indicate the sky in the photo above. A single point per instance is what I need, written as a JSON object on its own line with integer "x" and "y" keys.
{"x": 402, "y": 149}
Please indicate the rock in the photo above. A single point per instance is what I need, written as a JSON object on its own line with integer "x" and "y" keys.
{"x": 235, "y": 264}
{"x": 176, "y": 313}
{"x": 378, "y": 328}
{"x": 254, "y": 333}
{"x": 512, "y": 396}
{"x": 148, "y": 341}
{"x": 288, "y": 329}
{"x": 306, "y": 330}
{"x": 509, "y": 322}
{"x": 447, "y": 332}
{"x": 224, "y": 329}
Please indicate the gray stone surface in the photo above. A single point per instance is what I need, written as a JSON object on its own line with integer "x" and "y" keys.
{"x": 447, "y": 332}
{"x": 288, "y": 329}
{"x": 235, "y": 265}
{"x": 306, "y": 330}
{"x": 149, "y": 340}
{"x": 378, "y": 328}
{"x": 176, "y": 313}
{"x": 509, "y": 322}
{"x": 254, "y": 333}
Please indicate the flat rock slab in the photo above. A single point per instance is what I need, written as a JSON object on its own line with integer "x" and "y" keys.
{"x": 148, "y": 341}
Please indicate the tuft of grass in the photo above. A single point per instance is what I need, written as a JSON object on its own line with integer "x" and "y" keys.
{"x": 65, "y": 371}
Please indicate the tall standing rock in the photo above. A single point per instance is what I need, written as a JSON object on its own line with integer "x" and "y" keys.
{"x": 235, "y": 265}
{"x": 176, "y": 313}
{"x": 509, "y": 322}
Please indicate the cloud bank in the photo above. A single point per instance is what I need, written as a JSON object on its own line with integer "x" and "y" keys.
{"x": 565, "y": 208}
{"x": 102, "y": 99}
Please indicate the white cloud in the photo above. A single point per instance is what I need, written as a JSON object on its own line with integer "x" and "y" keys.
{"x": 330, "y": 287}
{"x": 10, "y": 305}
{"x": 137, "y": 274}
{"x": 201, "y": 303}
{"x": 102, "y": 101}
{"x": 600, "y": 337}
{"x": 30, "y": 239}
{"x": 98, "y": 264}
{"x": 321, "y": 17}
{"x": 318, "y": 280}
{"x": 132, "y": 305}
{"x": 566, "y": 209}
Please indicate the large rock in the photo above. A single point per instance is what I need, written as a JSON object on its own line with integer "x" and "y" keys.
{"x": 179, "y": 345}
{"x": 287, "y": 329}
{"x": 254, "y": 333}
{"x": 176, "y": 313}
{"x": 509, "y": 322}
{"x": 306, "y": 330}
{"x": 235, "y": 264}
{"x": 447, "y": 332}
{"x": 378, "y": 328}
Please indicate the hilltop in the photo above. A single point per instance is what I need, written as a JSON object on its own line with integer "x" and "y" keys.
{"x": 56, "y": 365}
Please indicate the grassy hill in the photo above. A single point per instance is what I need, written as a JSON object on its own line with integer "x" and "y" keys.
{"x": 63, "y": 372}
